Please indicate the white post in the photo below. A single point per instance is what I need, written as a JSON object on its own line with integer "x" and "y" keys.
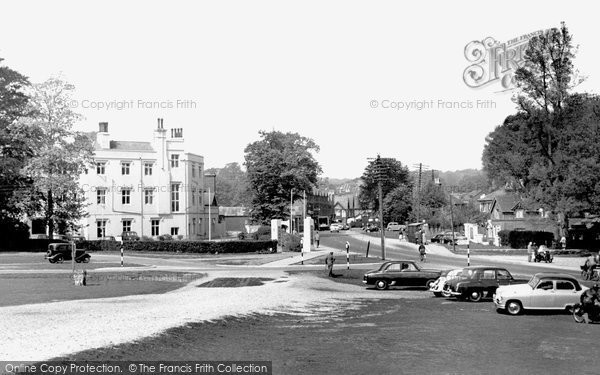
{"x": 209, "y": 218}
{"x": 306, "y": 235}
{"x": 121, "y": 254}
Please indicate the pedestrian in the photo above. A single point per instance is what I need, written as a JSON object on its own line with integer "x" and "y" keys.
{"x": 422, "y": 253}
{"x": 329, "y": 262}
{"x": 535, "y": 252}
{"x": 563, "y": 242}
{"x": 317, "y": 238}
{"x": 529, "y": 251}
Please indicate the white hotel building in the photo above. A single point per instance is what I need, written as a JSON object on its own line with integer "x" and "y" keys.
{"x": 152, "y": 188}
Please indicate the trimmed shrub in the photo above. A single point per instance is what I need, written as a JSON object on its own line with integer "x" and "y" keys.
{"x": 99, "y": 245}
{"x": 291, "y": 242}
{"x": 202, "y": 246}
{"x": 519, "y": 239}
{"x": 36, "y": 244}
{"x": 262, "y": 234}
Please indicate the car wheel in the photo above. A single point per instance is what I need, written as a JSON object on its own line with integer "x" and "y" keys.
{"x": 381, "y": 284}
{"x": 438, "y": 294}
{"x": 59, "y": 259}
{"x": 86, "y": 260}
{"x": 429, "y": 283}
{"x": 446, "y": 293}
{"x": 514, "y": 307}
{"x": 475, "y": 295}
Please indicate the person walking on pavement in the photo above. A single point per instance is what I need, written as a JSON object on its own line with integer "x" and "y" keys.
{"x": 317, "y": 238}
{"x": 422, "y": 253}
{"x": 529, "y": 251}
{"x": 329, "y": 262}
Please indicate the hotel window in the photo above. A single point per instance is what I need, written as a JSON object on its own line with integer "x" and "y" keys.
{"x": 193, "y": 196}
{"x": 101, "y": 196}
{"x": 174, "y": 231}
{"x": 126, "y": 196}
{"x": 174, "y": 161}
{"x": 194, "y": 225}
{"x": 127, "y": 225}
{"x": 101, "y": 228}
{"x": 175, "y": 197}
{"x": 125, "y": 168}
{"x": 193, "y": 171}
{"x": 101, "y": 168}
{"x": 148, "y": 169}
{"x": 154, "y": 224}
{"x": 148, "y": 196}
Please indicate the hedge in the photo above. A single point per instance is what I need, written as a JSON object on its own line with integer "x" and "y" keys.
{"x": 237, "y": 246}
{"x": 36, "y": 244}
{"x": 99, "y": 245}
{"x": 519, "y": 239}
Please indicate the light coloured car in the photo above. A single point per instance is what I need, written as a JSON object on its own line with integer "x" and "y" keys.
{"x": 438, "y": 286}
{"x": 335, "y": 227}
{"x": 393, "y": 226}
{"x": 544, "y": 291}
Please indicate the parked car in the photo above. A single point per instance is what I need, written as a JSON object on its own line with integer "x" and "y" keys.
{"x": 345, "y": 227}
{"x": 400, "y": 273}
{"x": 372, "y": 228}
{"x": 335, "y": 227}
{"x": 476, "y": 282}
{"x": 130, "y": 236}
{"x": 59, "y": 252}
{"x": 76, "y": 238}
{"x": 38, "y": 236}
{"x": 438, "y": 286}
{"x": 323, "y": 227}
{"x": 393, "y": 226}
{"x": 544, "y": 291}
{"x": 438, "y": 238}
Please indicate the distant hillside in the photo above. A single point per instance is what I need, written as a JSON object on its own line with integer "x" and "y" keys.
{"x": 461, "y": 180}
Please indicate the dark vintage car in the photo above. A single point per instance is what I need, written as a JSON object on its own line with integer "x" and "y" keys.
{"x": 130, "y": 236}
{"x": 400, "y": 273}
{"x": 477, "y": 282}
{"x": 59, "y": 252}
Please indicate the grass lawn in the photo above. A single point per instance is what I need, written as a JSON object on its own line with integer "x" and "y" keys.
{"x": 21, "y": 289}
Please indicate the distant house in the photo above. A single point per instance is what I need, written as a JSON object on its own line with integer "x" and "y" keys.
{"x": 235, "y": 218}
{"x": 507, "y": 211}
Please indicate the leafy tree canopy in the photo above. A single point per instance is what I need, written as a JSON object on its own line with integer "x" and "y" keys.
{"x": 277, "y": 165}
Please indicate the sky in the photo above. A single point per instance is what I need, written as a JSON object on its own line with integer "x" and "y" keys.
{"x": 360, "y": 78}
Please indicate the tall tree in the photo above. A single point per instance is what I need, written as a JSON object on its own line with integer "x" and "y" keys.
{"x": 232, "y": 185}
{"x": 61, "y": 156}
{"x": 533, "y": 151}
{"x": 15, "y": 148}
{"x": 397, "y": 204}
{"x": 278, "y": 165}
{"x": 394, "y": 177}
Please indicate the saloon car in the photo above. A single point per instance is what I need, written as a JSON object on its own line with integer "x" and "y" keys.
{"x": 544, "y": 291}
{"x": 477, "y": 282}
{"x": 400, "y": 273}
{"x": 438, "y": 286}
{"x": 335, "y": 227}
{"x": 59, "y": 252}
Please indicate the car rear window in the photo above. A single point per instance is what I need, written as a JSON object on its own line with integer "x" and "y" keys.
{"x": 564, "y": 285}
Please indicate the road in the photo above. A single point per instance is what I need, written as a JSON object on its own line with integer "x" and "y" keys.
{"x": 399, "y": 250}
